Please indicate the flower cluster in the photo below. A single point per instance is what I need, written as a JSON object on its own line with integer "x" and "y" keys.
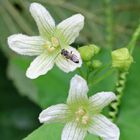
{"x": 80, "y": 113}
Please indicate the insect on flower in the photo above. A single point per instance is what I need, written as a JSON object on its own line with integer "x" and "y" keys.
{"x": 69, "y": 55}
{"x": 48, "y": 44}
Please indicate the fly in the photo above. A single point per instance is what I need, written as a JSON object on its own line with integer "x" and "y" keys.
{"x": 70, "y": 56}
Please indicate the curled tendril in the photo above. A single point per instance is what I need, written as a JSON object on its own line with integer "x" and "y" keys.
{"x": 120, "y": 85}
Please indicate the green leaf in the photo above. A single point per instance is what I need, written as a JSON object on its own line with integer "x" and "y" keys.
{"x": 51, "y": 132}
{"x": 129, "y": 120}
{"x": 18, "y": 115}
{"x": 46, "y": 90}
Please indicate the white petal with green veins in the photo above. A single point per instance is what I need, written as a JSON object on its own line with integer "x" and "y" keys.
{"x": 55, "y": 113}
{"x": 71, "y": 131}
{"x": 26, "y": 45}
{"x": 40, "y": 65}
{"x": 71, "y": 27}
{"x": 44, "y": 20}
{"x": 104, "y": 128}
{"x": 101, "y": 99}
{"x": 78, "y": 90}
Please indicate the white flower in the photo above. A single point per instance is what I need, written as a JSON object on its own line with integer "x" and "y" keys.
{"x": 48, "y": 45}
{"x": 82, "y": 114}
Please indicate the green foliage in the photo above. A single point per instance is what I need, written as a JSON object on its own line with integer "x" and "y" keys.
{"x": 17, "y": 115}
{"x": 45, "y": 90}
{"x": 128, "y": 117}
{"x": 48, "y": 131}
{"x": 108, "y": 24}
{"x": 130, "y": 110}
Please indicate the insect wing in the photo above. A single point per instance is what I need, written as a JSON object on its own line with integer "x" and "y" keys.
{"x": 75, "y": 59}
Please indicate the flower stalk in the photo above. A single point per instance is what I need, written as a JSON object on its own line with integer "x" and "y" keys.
{"x": 134, "y": 39}
{"x": 109, "y": 21}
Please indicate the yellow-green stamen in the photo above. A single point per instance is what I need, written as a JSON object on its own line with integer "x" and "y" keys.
{"x": 82, "y": 116}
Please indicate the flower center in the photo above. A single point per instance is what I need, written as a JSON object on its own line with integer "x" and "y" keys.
{"x": 51, "y": 46}
{"x": 55, "y": 42}
{"x": 82, "y": 116}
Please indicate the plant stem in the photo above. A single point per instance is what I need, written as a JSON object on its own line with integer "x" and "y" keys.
{"x": 8, "y": 20}
{"x": 109, "y": 21}
{"x": 134, "y": 39}
{"x": 96, "y": 81}
{"x": 16, "y": 16}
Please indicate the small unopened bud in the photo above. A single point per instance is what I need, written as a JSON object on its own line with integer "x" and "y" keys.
{"x": 88, "y": 51}
{"x": 96, "y": 64}
{"x": 121, "y": 59}
{"x": 96, "y": 49}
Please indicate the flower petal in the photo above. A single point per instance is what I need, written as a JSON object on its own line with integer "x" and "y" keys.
{"x": 101, "y": 99}
{"x": 55, "y": 113}
{"x": 71, "y": 27}
{"x": 68, "y": 65}
{"x": 26, "y": 45}
{"x": 104, "y": 128}
{"x": 71, "y": 131}
{"x": 40, "y": 65}
{"x": 44, "y": 20}
{"x": 78, "y": 90}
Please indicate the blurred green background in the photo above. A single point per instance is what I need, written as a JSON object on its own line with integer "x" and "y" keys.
{"x": 109, "y": 24}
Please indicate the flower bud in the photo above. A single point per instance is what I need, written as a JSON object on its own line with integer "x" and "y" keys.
{"x": 96, "y": 64}
{"x": 121, "y": 59}
{"x": 88, "y": 51}
{"x": 96, "y": 49}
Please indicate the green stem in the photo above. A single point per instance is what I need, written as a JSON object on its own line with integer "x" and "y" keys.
{"x": 109, "y": 72}
{"x": 96, "y": 81}
{"x": 16, "y": 16}
{"x": 8, "y": 21}
{"x": 134, "y": 39}
{"x": 109, "y": 21}
{"x": 96, "y": 72}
